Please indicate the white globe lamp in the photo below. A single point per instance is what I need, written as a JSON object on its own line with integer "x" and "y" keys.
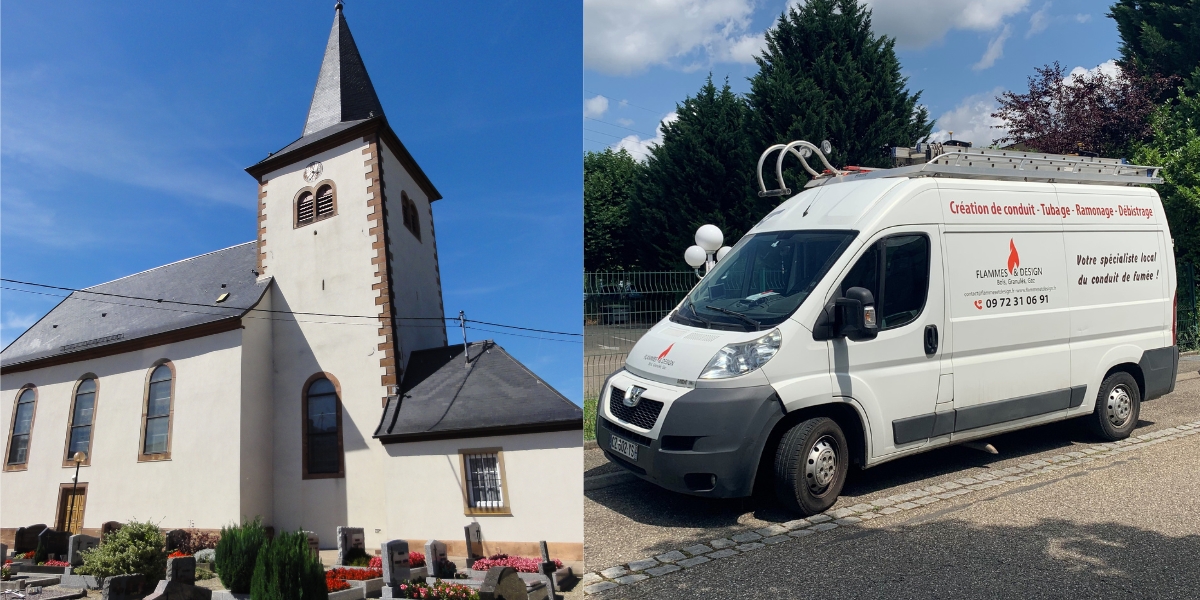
{"x": 709, "y": 238}
{"x": 722, "y": 252}
{"x": 695, "y": 256}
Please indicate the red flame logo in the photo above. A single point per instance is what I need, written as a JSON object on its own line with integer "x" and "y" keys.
{"x": 1014, "y": 260}
{"x": 664, "y": 352}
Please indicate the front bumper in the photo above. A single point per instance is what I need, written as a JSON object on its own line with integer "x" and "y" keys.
{"x": 708, "y": 440}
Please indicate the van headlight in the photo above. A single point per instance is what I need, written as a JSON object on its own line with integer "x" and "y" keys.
{"x": 739, "y": 359}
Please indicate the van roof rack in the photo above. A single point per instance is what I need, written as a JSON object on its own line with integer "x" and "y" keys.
{"x": 937, "y": 160}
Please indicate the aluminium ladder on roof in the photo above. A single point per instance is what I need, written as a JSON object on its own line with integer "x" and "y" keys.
{"x": 981, "y": 163}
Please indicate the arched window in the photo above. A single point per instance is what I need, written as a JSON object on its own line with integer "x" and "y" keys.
{"x": 22, "y": 427}
{"x": 322, "y": 429}
{"x": 79, "y": 436}
{"x": 412, "y": 219}
{"x": 156, "y": 417}
{"x": 324, "y": 201}
{"x": 305, "y": 210}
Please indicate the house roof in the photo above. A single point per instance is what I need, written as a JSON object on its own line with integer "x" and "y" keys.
{"x": 103, "y": 315}
{"x": 444, "y": 395}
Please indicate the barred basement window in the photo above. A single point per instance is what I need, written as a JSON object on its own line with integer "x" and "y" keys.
{"x": 484, "y": 488}
{"x": 322, "y": 429}
{"x": 304, "y": 209}
{"x": 157, "y": 412}
{"x": 22, "y": 428}
{"x": 412, "y": 219}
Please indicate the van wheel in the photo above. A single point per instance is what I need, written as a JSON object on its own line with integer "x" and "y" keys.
{"x": 1117, "y": 407}
{"x": 810, "y": 466}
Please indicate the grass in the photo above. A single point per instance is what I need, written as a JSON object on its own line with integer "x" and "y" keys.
{"x": 589, "y": 418}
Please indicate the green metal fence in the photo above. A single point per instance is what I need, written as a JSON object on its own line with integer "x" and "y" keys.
{"x": 618, "y": 307}
{"x": 1187, "y": 325}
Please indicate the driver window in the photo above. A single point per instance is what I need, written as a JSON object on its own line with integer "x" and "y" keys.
{"x": 901, "y": 288}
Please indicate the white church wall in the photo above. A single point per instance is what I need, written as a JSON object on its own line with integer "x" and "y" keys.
{"x": 416, "y": 285}
{"x": 197, "y": 486}
{"x": 257, "y": 476}
{"x": 543, "y": 481}
{"x": 325, "y": 267}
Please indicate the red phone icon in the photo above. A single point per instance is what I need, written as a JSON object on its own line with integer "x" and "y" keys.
{"x": 979, "y": 304}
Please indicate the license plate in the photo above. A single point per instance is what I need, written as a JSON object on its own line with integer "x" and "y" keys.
{"x": 625, "y": 448}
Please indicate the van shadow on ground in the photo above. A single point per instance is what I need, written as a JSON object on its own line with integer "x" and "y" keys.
{"x": 952, "y": 558}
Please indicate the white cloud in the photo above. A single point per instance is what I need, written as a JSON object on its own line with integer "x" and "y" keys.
{"x": 623, "y": 122}
{"x": 624, "y": 37}
{"x": 640, "y": 148}
{"x": 1109, "y": 68}
{"x": 13, "y": 320}
{"x": 995, "y": 50}
{"x": 595, "y": 107}
{"x": 1082, "y": 18}
{"x": 1039, "y": 21}
{"x": 972, "y": 120}
{"x": 918, "y": 23}
{"x": 746, "y": 48}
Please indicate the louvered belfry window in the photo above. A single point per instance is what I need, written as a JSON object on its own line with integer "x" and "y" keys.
{"x": 305, "y": 209}
{"x": 324, "y": 202}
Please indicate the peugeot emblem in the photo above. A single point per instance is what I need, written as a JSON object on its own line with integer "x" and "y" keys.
{"x": 633, "y": 396}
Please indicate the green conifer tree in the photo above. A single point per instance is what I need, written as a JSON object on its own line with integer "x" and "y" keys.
{"x": 609, "y": 184}
{"x": 1160, "y": 37}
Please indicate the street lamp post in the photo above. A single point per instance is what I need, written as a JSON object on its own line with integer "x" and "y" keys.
{"x": 78, "y": 458}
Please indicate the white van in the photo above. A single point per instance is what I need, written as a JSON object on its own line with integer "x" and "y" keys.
{"x": 881, "y": 314}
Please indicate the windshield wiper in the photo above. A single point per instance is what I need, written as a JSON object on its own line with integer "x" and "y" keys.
{"x": 706, "y": 322}
{"x": 756, "y": 324}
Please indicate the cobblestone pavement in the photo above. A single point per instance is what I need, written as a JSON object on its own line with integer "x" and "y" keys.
{"x": 637, "y": 532}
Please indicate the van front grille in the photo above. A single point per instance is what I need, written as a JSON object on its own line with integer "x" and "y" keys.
{"x": 644, "y": 415}
{"x": 632, "y": 436}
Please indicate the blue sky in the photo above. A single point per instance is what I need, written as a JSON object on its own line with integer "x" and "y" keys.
{"x": 644, "y": 57}
{"x": 126, "y": 126}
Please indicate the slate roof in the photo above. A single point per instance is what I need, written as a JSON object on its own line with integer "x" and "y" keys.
{"x": 344, "y": 91}
{"x": 84, "y": 321}
{"x": 442, "y": 397}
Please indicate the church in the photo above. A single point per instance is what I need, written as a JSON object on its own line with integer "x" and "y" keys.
{"x": 304, "y": 377}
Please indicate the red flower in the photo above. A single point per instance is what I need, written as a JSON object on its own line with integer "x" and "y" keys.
{"x": 178, "y": 554}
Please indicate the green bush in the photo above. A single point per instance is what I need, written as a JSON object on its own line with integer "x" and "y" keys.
{"x": 40, "y": 554}
{"x": 237, "y": 552}
{"x": 135, "y": 548}
{"x": 287, "y": 570}
{"x": 356, "y": 557}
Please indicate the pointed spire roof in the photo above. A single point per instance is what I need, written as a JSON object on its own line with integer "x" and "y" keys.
{"x": 344, "y": 91}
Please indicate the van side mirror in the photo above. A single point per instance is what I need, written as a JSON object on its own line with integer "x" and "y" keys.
{"x": 855, "y": 317}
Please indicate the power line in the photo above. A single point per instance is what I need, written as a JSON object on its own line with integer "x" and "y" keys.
{"x": 620, "y": 126}
{"x": 532, "y": 337}
{"x": 627, "y": 103}
{"x": 523, "y": 328}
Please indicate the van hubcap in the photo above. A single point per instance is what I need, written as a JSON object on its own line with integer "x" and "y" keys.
{"x": 821, "y": 465}
{"x": 1120, "y": 406}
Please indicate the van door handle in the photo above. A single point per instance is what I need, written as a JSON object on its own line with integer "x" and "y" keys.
{"x": 931, "y": 340}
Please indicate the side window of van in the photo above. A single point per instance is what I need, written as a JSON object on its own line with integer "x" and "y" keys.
{"x": 901, "y": 287}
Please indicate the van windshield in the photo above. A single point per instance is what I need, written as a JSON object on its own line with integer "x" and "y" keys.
{"x": 763, "y": 279}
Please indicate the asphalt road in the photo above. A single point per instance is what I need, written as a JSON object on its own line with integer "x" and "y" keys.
{"x": 1124, "y": 528}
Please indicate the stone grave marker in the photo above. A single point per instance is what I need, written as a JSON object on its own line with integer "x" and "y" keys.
{"x": 396, "y": 568}
{"x": 474, "y": 543}
{"x": 26, "y": 538}
{"x": 348, "y": 539}
{"x": 123, "y": 587}
{"x": 436, "y": 562}
{"x": 182, "y": 570}
{"x": 76, "y": 546}
{"x": 502, "y": 583}
{"x": 109, "y": 527}
{"x": 55, "y": 542}
{"x": 3, "y": 552}
{"x": 176, "y": 538}
{"x": 314, "y": 542}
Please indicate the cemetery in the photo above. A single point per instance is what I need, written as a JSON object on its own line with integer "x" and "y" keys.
{"x": 251, "y": 561}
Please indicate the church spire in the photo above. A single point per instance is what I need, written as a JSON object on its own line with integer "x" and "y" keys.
{"x": 344, "y": 91}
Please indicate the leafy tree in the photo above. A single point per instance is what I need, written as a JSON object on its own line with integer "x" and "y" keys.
{"x": 825, "y": 76}
{"x": 703, "y": 172}
{"x": 1160, "y": 37}
{"x": 287, "y": 570}
{"x": 1175, "y": 146}
{"x": 1093, "y": 112}
{"x": 609, "y": 184}
{"x": 134, "y": 548}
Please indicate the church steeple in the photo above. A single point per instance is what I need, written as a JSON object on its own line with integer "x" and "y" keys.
{"x": 344, "y": 91}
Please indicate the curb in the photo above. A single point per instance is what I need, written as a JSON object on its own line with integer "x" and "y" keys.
{"x": 753, "y": 539}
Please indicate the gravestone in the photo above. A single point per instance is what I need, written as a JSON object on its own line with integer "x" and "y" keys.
{"x": 173, "y": 590}
{"x": 55, "y": 542}
{"x": 109, "y": 527}
{"x": 436, "y": 562}
{"x": 182, "y": 570}
{"x": 502, "y": 583}
{"x": 348, "y": 539}
{"x": 396, "y": 567}
{"x": 314, "y": 542}
{"x": 3, "y": 552}
{"x": 77, "y": 544}
{"x": 123, "y": 587}
{"x": 26, "y": 538}
{"x": 176, "y": 538}
{"x": 474, "y": 543}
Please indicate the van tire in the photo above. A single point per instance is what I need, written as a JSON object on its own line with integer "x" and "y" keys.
{"x": 811, "y": 462}
{"x": 1118, "y": 406}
